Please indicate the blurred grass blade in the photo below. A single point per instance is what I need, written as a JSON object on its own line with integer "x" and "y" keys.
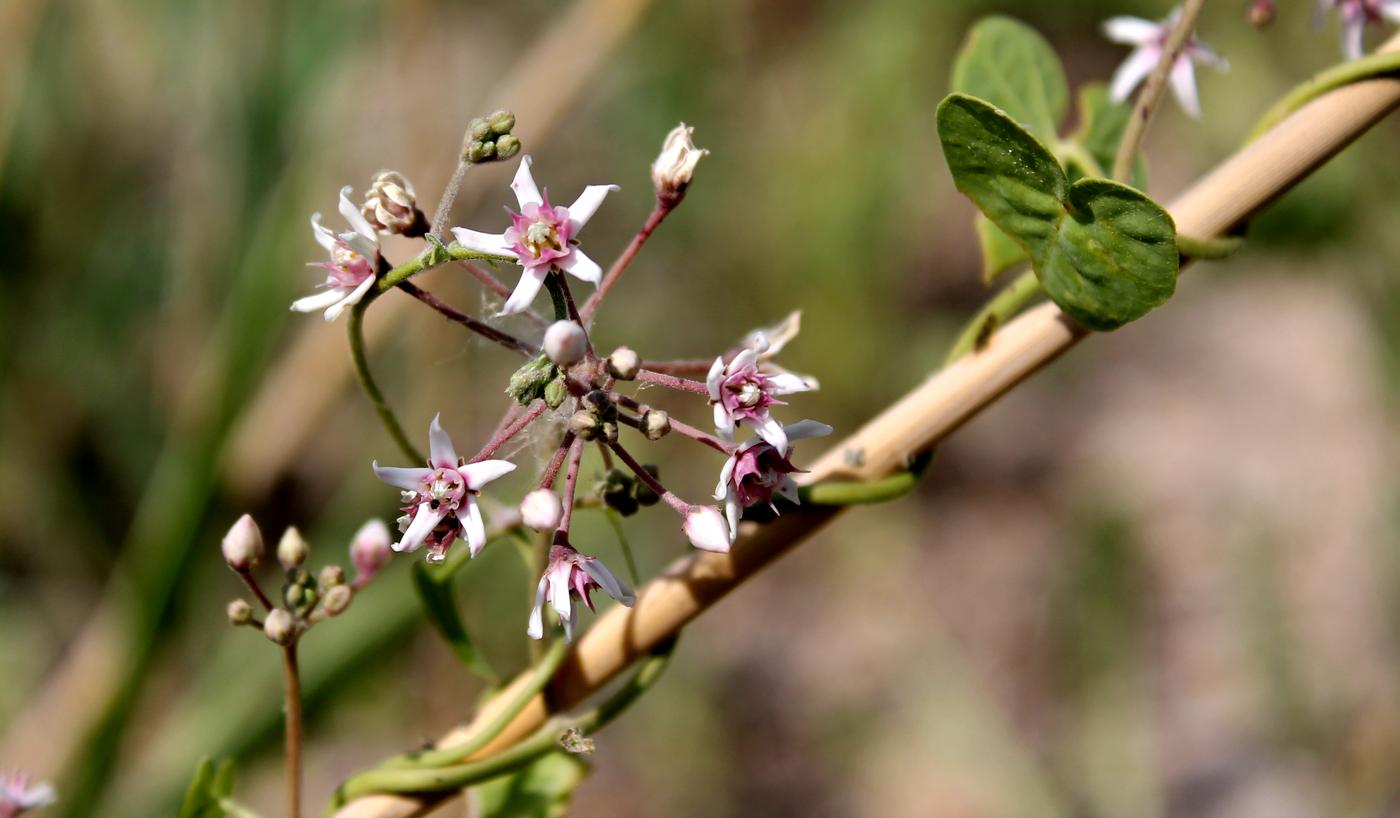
{"x": 435, "y": 592}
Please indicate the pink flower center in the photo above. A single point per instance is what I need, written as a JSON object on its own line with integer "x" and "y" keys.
{"x": 744, "y": 394}
{"x": 540, "y": 234}
{"x": 443, "y": 487}
{"x": 758, "y": 472}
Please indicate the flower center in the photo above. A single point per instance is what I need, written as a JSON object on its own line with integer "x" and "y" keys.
{"x": 750, "y": 394}
{"x": 345, "y": 258}
{"x": 541, "y": 236}
{"x": 444, "y": 487}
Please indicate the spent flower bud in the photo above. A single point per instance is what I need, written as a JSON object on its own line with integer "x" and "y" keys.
{"x": 585, "y": 424}
{"x": 243, "y": 544}
{"x": 280, "y": 627}
{"x": 392, "y": 207}
{"x": 541, "y": 510}
{"x": 656, "y": 424}
{"x": 332, "y": 576}
{"x": 240, "y": 612}
{"x": 292, "y": 549}
{"x": 565, "y": 343}
{"x": 624, "y": 363}
{"x": 673, "y": 169}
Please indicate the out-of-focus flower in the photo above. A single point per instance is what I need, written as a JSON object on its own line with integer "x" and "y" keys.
{"x": 673, "y": 169}
{"x": 392, "y": 207}
{"x": 440, "y": 501}
{"x": 541, "y": 510}
{"x": 1355, "y": 15}
{"x": 292, "y": 549}
{"x": 354, "y": 260}
{"x": 19, "y": 793}
{"x": 757, "y": 471}
{"x": 706, "y": 529}
{"x": 243, "y": 544}
{"x": 540, "y": 238}
{"x": 279, "y": 626}
{"x": 571, "y": 574}
{"x": 370, "y": 550}
{"x": 741, "y": 393}
{"x": 1148, "y": 40}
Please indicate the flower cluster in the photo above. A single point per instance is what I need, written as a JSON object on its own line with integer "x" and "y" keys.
{"x": 565, "y": 386}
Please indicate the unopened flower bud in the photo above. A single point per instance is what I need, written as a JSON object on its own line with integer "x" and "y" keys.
{"x": 391, "y": 206}
{"x": 337, "y": 600}
{"x": 565, "y": 343}
{"x": 656, "y": 424}
{"x": 501, "y": 122}
{"x": 600, "y": 404}
{"x": 332, "y": 576}
{"x": 706, "y": 529}
{"x": 479, "y": 129}
{"x": 624, "y": 363}
{"x": 555, "y": 393}
{"x": 243, "y": 544}
{"x": 609, "y": 431}
{"x": 585, "y": 424}
{"x": 370, "y": 550}
{"x": 292, "y": 549}
{"x": 279, "y": 626}
{"x": 507, "y": 146}
{"x": 477, "y": 152}
{"x": 672, "y": 170}
{"x": 240, "y": 612}
{"x": 541, "y": 510}
{"x": 1262, "y": 13}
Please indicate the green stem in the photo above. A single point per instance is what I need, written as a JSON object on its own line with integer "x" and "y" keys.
{"x": 371, "y": 387}
{"x": 1208, "y": 249}
{"x": 449, "y": 756}
{"x": 854, "y": 493}
{"x": 1347, "y": 73}
{"x": 1152, "y": 90}
{"x": 542, "y": 741}
{"x": 615, "y": 520}
{"x": 995, "y": 313}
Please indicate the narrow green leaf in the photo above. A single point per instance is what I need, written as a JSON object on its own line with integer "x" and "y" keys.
{"x": 440, "y": 605}
{"x": 541, "y": 790}
{"x": 1104, "y": 252}
{"x": 1000, "y": 252}
{"x": 1010, "y": 65}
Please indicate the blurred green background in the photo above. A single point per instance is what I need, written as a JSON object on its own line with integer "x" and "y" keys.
{"x": 1159, "y": 579}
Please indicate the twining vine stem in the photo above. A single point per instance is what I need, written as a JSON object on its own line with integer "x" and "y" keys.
{"x": 1152, "y": 91}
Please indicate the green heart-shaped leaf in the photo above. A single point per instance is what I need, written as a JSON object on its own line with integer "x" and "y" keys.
{"x": 1010, "y": 65}
{"x": 1104, "y": 252}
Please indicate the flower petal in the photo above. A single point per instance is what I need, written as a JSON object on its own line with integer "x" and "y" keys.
{"x": 531, "y": 279}
{"x": 614, "y": 587}
{"x": 351, "y": 299}
{"x": 768, "y": 428}
{"x": 1131, "y": 30}
{"x": 581, "y": 267}
{"x": 526, "y": 191}
{"x": 587, "y": 204}
{"x": 1352, "y": 30}
{"x": 365, "y": 247}
{"x": 354, "y": 217}
{"x": 715, "y": 377}
{"x": 423, "y": 524}
{"x": 724, "y": 424}
{"x": 1133, "y": 71}
{"x": 769, "y": 341}
{"x": 441, "y": 453}
{"x": 319, "y": 301}
{"x": 407, "y": 479}
{"x": 323, "y": 234}
{"x": 733, "y": 513}
{"x": 707, "y": 529}
{"x": 491, "y": 243}
{"x": 535, "y": 629}
{"x": 1183, "y": 79}
{"x": 725, "y": 472}
{"x": 786, "y": 383}
{"x": 474, "y": 525}
{"x": 483, "y": 472}
{"x": 805, "y": 429}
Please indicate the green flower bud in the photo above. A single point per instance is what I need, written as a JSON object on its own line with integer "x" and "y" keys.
{"x": 480, "y": 129}
{"x": 529, "y": 382}
{"x": 585, "y": 424}
{"x": 507, "y": 146}
{"x": 555, "y": 393}
{"x": 501, "y": 122}
{"x": 292, "y": 549}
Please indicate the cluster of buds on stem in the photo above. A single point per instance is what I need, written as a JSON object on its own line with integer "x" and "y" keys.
{"x": 304, "y": 600}
{"x": 489, "y": 138}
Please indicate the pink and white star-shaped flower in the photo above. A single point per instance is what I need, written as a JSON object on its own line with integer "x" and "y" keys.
{"x": 1148, "y": 39}
{"x": 440, "y": 501}
{"x": 742, "y": 393}
{"x": 757, "y": 471}
{"x": 573, "y": 574}
{"x": 19, "y": 794}
{"x": 354, "y": 261}
{"x": 1356, "y": 14}
{"x": 541, "y": 237}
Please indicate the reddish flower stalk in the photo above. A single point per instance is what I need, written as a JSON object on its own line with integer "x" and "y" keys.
{"x": 652, "y": 483}
{"x": 516, "y": 427}
{"x": 673, "y": 382}
{"x": 693, "y": 366}
{"x": 486, "y": 331}
{"x": 680, "y": 427}
{"x": 498, "y": 287}
{"x": 561, "y": 534}
{"x": 658, "y": 213}
{"x": 557, "y": 462}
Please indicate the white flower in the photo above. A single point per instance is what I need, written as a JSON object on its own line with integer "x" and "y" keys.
{"x": 1148, "y": 39}
{"x": 540, "y": 238}
{"x": 1356, "y": 14}
{"x": 706, "y": 529}
{"x": 673, "y": 169}
{"x": 757, "y": 471}
{"x": 19, "y": 794}
{"x": 573, "y": 574}
{"x": 440, "y": 501}
{"x": 354, "y": 261}
{"x": 742, "y": 393}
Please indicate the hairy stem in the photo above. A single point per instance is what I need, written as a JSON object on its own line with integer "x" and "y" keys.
{"x": 486, "y": 331}
{"x": 570, "y": 490}
{"x": 658, "y": 213}
{"x": 1152, "y": 91}
{"x": 696, "y": 366}
{"x": 673, "y": 382}
{"x": 449, "y": 198}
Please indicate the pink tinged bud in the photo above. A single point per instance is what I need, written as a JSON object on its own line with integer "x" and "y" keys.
{"x": 673, "y": 169}
{"x": 370, "y": 550}
{"x": 239, "y": 612}
{"x": 18, "y": 794}
{"x": 243, "y": 544}
{"x": 541, "y": 510}
{"x": 565, "y": 343}
{"x": 292, "y": 549}
{"x": 706, "y": 529}
{"x": 279, "y": 626}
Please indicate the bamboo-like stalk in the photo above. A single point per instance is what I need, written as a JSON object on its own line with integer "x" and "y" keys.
{"x": 1214, "y": 206}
